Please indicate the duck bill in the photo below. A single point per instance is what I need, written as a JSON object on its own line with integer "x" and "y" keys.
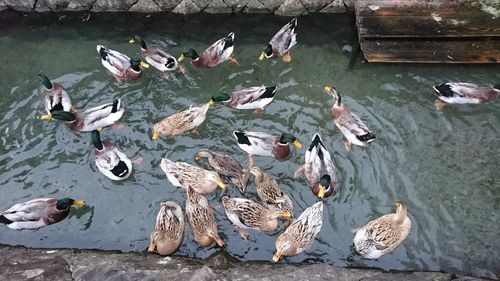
{"x": 181, "y": 58}
{"x": 277, "y": 256}
{"x": 321, "y": 192}
{"x": 152, "y": 246}
{"x": 286, "y": 215}
{"x": 131, "y": 41}
{"x": 155, "y": 135}
{"x": 143, "y": 64}
{"x": 220, "y": 183}
{"x": 218, "y": 241}
{"x": 262, "y": 55}
{"x": 327, "y": 88}
{"x": 211, "y": 102}
{"x": 47, "y": 117}
{"x": 197, "y": 157}
{"x": 297, "y": 143}
{"x": 78, "y": 202}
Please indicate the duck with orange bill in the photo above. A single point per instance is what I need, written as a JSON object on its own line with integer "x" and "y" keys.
{"x": 202, "y": 219}
{"x": 301, "y": 233}
{"x": 226, "y": 166}
{"x": 168, "y": 232}
{"x": 181, "y": 122}
{"x": 182, "y": 174}
{"x": 247, "y": 214}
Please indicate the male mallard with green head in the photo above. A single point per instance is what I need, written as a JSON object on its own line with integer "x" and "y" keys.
{"x": 217, "y": 53}
{"x": 38, "y": 212}
{"x": 159, "y": 59}
{"x": 247, "y": 98}
{"x": 121, "y": 66}
{"x": 55, "y": 97}
{"x": 282, "y": 42}
{"x": 91, "y": 119}
{"x": 263, "y": 144}
{"x": 110, "y": 161}
{"x": 319, "y": 169}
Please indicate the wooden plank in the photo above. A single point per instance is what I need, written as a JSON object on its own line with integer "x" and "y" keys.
{"x": 430, "y": 23}
{"x": 429, "y": 51}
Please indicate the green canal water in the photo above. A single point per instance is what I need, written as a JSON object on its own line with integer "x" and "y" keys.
{"x": 443, "y": 164}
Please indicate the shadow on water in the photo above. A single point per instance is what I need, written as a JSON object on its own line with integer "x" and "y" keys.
{"x": 443, "y": 164}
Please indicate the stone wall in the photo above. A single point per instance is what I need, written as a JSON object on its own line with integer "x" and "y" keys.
{"x": 278, "y": 7}
{"x": 19, "y": 264}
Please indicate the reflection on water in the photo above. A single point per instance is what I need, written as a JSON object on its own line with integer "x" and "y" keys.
{"x": 443, "y": 164}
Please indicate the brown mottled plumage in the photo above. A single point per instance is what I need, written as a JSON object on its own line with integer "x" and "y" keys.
{"x": 301, "y": 233}
{"x": 169, "y": 229}
{"x": 244, "y": 214}
{"x": 226, "y": 166}
{"x": 270, "y": 192}
{"x": 202, "y": 219}
{"x": 181, "y": 122}
{"x": 185, "y": 175}
{"x": 382, "y": 235}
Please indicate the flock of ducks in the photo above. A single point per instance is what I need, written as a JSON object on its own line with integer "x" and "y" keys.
{"x": 375, "y": 239}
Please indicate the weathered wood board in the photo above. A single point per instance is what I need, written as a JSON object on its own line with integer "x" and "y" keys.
{"x": 436, "y": 31}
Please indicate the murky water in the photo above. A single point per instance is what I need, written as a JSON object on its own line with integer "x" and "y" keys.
{"x": 443, "y": 164}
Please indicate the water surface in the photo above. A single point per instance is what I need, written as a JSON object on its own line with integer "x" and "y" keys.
{"x": 443, "y": 164}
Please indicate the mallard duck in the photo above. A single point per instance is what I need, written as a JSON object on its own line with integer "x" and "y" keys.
{"x": 181, "y": 122}
{"x": 319, "y": 169}
{"x": 245, "y": 214}
{"x": 264, "y": 144}
{"x": 121, "y": 66}
{"x": 301, "y": 233}
{"x": 248, "y": 98}
{"x": 110, "y": 161}
{"x": 202, "y": 219}
{"x": 159, "y": 59}
{"x": 38, "y": 212}
{"x": 56, "y": 98}
{"x": 225, "y": 166}
{"x": 282, "y": 42}
{"x": 382, "y": 235}
{"x": 169, "y": 229}
{"x": 182, "y": 174}
{"x": 91, "y": 119}
{"x": 354, "y": 130}
{"x": 216, "y": 54}
{"x": 270, "y": 192}
{"x": 464, "y": 93}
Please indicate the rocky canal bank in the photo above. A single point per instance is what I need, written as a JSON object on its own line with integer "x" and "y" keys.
{"x": 19, "y": 263}
{"x": 278, "y": 7}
